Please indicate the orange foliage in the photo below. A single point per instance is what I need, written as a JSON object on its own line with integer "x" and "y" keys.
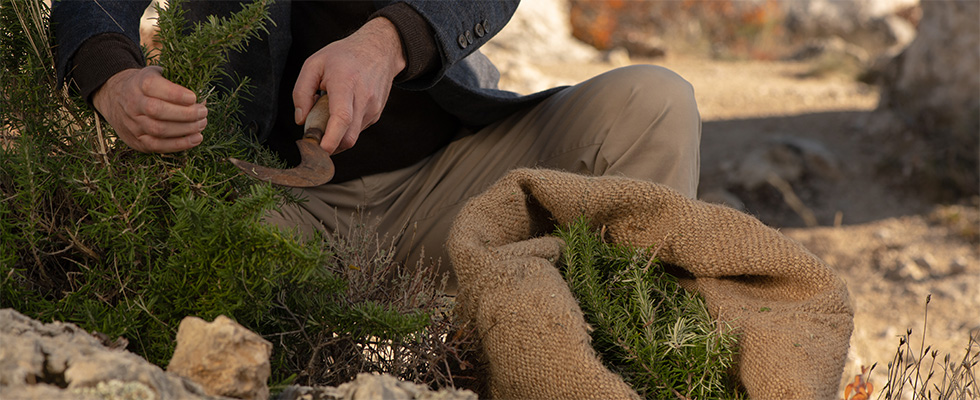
{"x": 722, "y": 8}
{"x": 747, "y": 28}
{"x": 861, "y": 388}
{"x": 595, "y": 21}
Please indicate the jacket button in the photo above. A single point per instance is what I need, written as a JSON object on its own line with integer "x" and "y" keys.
{"x": 462, "y": 41}
{"x": 469, "y": 37}
{"x": 480, "y": 31}
{"x": 486, "y": 26}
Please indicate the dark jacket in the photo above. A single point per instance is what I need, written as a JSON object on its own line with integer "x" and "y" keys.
{"x": 465, "y": 85}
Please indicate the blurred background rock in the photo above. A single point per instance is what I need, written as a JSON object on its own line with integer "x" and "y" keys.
{"x": 930, "y": 92}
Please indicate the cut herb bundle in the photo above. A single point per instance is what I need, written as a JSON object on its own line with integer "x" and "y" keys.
{"x": 647, "y": 328}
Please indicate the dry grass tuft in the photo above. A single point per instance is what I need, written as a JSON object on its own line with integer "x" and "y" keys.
{"x": 914, "y": 373}
{"x": 442, "y": 354}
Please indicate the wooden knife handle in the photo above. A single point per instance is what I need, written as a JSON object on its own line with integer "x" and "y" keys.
{"x": 316, "y": 121}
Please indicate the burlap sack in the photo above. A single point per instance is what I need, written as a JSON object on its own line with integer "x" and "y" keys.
{"x": 791, "y": 309}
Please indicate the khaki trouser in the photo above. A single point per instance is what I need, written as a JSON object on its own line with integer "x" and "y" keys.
{"x": 639, "y": 121}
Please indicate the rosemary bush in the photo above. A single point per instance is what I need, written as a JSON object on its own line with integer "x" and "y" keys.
{"x": 659, "y": 337}
{"x": 128, "y": 244}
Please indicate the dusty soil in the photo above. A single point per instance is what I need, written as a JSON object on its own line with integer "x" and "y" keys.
{"x": 890, "y": 243}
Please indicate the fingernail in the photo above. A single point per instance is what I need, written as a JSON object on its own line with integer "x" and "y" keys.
{"x": 202, "y": 112}
{"x": 196, "y": 139}
{"x": 297, "y": 114}
{"x": 201, "y": 125}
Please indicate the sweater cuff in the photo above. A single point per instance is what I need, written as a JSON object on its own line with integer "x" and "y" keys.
{"x": 418, "y": 40}
{"x": 99, "y": 58}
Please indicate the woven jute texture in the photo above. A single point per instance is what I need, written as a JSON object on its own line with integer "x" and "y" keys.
{"x": 791, "y": 310}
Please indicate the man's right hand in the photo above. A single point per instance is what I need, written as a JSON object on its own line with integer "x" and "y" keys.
{"x": 150, "y": 113}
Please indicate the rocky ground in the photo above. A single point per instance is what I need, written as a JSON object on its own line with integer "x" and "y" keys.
{"x": 809, "y": 123}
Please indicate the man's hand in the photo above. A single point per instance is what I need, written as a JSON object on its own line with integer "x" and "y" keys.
{"x": 357, "y": 73}
{"x": 150, "y": 113}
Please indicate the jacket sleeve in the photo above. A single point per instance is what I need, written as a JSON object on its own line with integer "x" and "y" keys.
{"x": 75, "y": 21}
{"x": 460, "y": 28}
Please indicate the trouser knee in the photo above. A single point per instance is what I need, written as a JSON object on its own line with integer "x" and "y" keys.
{"x": 647, "y": 88}
{"x": 654, "y": 131}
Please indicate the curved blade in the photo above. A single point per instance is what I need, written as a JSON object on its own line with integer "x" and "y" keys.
{"x": 314, "y": 170}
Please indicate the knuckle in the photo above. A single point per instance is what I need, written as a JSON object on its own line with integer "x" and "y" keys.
{"x": 132, "y": 128}
{"x": 374, "y": 115}
{"x": 329, "y": 147}
{"x": 145, "y": 84}
{"x": 153, "y": 128}
{"x": 152, "y": 106}
{"x": 344, "y": 116}
{"x": 129, "y": 109}
{"x": 308, "y": 61}
{"x": 365, "y": 122}
{"x": 146, "y": 144}
{"x": 348, "y": 142}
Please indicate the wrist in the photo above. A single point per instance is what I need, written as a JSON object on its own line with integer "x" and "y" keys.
{"x": 417, "y": 39}
{"x": 101, "y": 94}
{"x": 100, "y": 58}
{"x": 386, "y": 35}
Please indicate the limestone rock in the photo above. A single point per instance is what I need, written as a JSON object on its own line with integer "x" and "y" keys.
{"x": 224, "y": 357}
{"x": 43, "y": 391}
{"x": 541, "y": 29}
{"x": 931, "y": 93}
{"x": 374, "y": 386}
{"x": 539, "y": 33}
{"x": 148, "y": 26}
{"x": 116, "y": 390}
{"x": 788, "y": 158}
{"x": 908, "y": 271}
{"x": 832, "y": 47}
{"x": 755, "y": 169}
{"x": 818, "y": 159}
{"x": 62, "y": 361}
{"x": 618, "y": 57}
{"x": 870, "y": 24}
{"x": 939, "y": 69}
